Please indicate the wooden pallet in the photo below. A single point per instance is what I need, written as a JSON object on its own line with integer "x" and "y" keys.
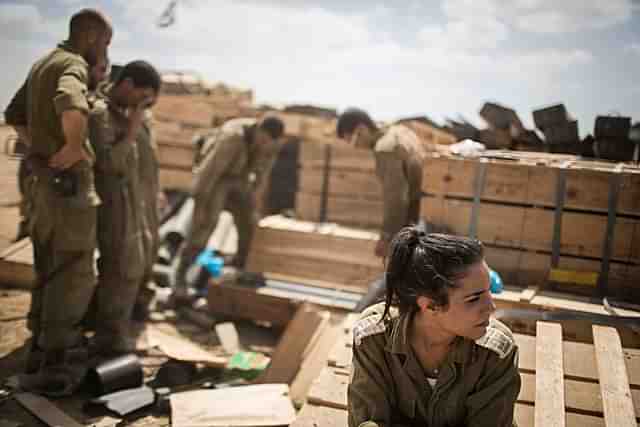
{"x": 564, "y": 383}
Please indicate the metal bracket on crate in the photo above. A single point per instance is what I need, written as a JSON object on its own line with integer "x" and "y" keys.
{"x": 481, "y": 177}
{"x": 614, "y": 191}
{"x": 561, "y": 188}
{"x": 324, "y": 199}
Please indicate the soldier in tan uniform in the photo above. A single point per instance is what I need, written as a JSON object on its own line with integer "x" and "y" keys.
{"x": 152, "y": 200}
{"x": 97, "y": 73}
{"x": 399, "y": 158}
{"x": 237, "y": 157}
{"x": 115, "y": 128}
{"x": 52, "y": 107}
{"x": 432, "y": 354}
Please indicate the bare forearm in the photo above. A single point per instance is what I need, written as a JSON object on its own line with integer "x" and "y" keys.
{"x": 74, "y": 127}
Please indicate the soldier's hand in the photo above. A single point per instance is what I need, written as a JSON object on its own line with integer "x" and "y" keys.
{"x": 136, "y": 118}
{"x": 67, "y": 156}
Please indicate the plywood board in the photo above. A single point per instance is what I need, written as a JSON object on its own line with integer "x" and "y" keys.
{"x": 550, "y": 402}
{"x": 289, "y": 353}
{"x": 252, "y": 405}
{"x": 614, "y": 381}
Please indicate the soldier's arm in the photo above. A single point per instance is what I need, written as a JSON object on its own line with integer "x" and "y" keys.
{"x": 263, "y": 168}
{"x": 112, "y": 150}
{"x": 493, "y": 402}
{"x": 395, "y": 193}
{"x": 215, "y": 164}
{"x": 71, "y": 105}
{"x": 16, "y": 114}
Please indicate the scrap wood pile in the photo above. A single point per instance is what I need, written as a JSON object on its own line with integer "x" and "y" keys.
{"x": 230, "y": 373}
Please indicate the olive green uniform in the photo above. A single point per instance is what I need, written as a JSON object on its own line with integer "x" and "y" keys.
{"x": 399, "y": 157}
{"x": 477, "y": 384}
{"x": 62, "y": 228}
{"x": 121, "y": 264}
{"x": 222, "y": 181}
{"x": 148, "y": 169}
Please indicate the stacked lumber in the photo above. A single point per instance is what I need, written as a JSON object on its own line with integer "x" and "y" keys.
{"x": 324, "y": 255}
{"x": 540, "y": 213}
{"x": 563, "y": 382}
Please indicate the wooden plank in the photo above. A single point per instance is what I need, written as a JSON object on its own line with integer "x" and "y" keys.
{"x": 16, "y": 268}
{"x": 614, "y": 381}
{"x": 533, "y": 181}
{"x": 524, "y": 416}
{"x": 315, "y": 359}
{"x": 343, "y": 210}
{"x": 342, "y": 353}
{"x": 249, "y": 303}
{"x": 288, "y": 354}
{"x": 329, "y": 389}
{"x": 250, "y": 405}
{"x": 46, "y": 411}
{"x": 579, "y": 360}
{"x": 549, "y": 405}
{"x": 320, "y": 416}
{"x": 580, "y": 396}
{"x": 173, "y": 178}
{"x": 175, "y": 155}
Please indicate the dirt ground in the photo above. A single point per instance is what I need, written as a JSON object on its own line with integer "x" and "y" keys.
{"x": 14, "y": 340}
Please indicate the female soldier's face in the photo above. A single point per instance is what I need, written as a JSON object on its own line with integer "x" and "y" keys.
{"x": 470, "y": 304}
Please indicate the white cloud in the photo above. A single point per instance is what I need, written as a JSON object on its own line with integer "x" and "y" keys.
{"x": 544, "y": 16}
{"x": 24, "y": 21}
{"x": 634, "y": 47}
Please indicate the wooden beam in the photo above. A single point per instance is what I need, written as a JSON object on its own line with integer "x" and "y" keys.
{"x": 549, "y": 409}
{"x": 614, "y": 381}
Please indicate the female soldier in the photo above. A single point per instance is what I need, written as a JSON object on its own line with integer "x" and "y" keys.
{"x": 438, "y": 359}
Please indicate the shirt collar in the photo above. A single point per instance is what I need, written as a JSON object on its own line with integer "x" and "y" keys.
{"x": 462, "y": 351}
{"x": 67, "y": 46}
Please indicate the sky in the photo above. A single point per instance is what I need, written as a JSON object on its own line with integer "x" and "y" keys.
{"x": 442, "y": 58}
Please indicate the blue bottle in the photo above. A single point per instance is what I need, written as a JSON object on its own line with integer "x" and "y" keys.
{"x": 213, "y": 264}
{"x": 496, "y": 286}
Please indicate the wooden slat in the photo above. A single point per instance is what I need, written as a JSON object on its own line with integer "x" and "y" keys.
{"x": 580, "y": 396}
{"x": 579, "y": 359}
{"x": 288, "y": 355}
{"x": 46, "y": 411}
{"x": 524, "y": 415}
{"x": 172, "y": 178}
{"x": 315, "y": 358}
{"x": 549, "y": 411}
{"x": 614, "y": 381}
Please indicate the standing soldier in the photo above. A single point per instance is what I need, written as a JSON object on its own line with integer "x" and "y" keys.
{"x": 115, "y": 127}
{"x": 236, "y": 158}
{"x": 52, "y": 109}
{"x": 152, "y": 199}
{"x": 399, "y": 157}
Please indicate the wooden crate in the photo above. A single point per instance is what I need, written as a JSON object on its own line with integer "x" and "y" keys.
{"x": 338, "y": 257}
{"x": 515, "y": 215}
{"x": 563, "y": 382}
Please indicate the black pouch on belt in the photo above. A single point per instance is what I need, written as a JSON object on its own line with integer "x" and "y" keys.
{"x": 65, "y": 183}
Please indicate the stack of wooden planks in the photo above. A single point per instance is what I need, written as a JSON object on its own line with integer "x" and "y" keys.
{"x": 543, "y": 217}
{"x": 325, "y": 255}
{"x": 563, "y": 382}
